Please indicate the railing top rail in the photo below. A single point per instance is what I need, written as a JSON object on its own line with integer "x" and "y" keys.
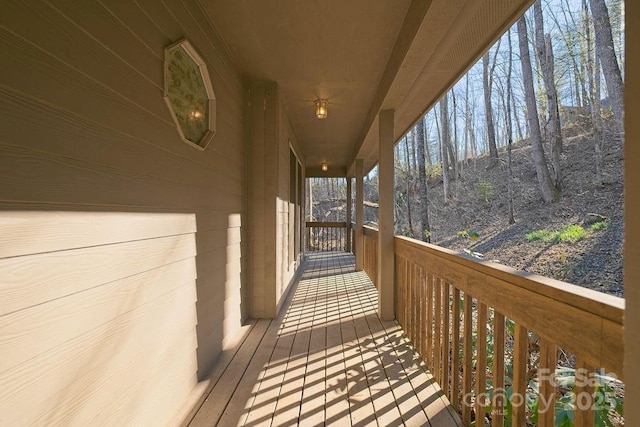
{"x": 370, "y": 231}
{"x": 334, "y": 224}
{"x": 607, "y": 306}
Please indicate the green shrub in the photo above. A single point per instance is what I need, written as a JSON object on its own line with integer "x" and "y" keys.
{"x": 543, "y": 235}
{"x": 599, "y": 226}
{"x": 567, "y": 234}
{"x": 484, "y": 190}
{"x": 572, "y": 234}
{"x": 434, "y": 171}
{"x": 472, "y": 235}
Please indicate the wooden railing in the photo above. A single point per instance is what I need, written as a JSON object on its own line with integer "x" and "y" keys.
{"x": 326, "y": 236}
{"x": 370, "y": 257}
{"x": 457, "y": 311}
{"x": 494, "y": 337}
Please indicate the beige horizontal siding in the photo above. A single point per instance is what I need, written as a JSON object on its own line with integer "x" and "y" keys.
{"x": 121, "y": 247}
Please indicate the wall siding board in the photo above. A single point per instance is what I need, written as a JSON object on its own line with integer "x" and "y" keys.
{"x": 76, "y": 405}
{"x": 33, "y": 280}
{"x": 26, "y": 173}
{"x": 54, "y": 128}
{"x": 122, "y": 262}
{"x": 39, "y": 328}
{"x": 93, "y": 20}
{"x": 80, "y": 363}
{"x": 29, "y": 232}
{"x": 138, "y": 23}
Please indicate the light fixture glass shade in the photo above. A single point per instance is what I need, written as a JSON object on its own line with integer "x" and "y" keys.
{"x": 324, "y": 167}
{"x": 321, "y": 108}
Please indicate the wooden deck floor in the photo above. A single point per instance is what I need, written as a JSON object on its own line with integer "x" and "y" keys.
{"x": 328, "y": 360}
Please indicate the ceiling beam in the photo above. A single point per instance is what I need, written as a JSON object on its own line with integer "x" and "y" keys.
{"x": 410, "y": 26}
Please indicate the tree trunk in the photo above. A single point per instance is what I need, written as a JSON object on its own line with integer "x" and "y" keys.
{"x": 545, "y": 57}
{"x": 425, "y": 227}
{"x": 456, "y": 166}
{"x": 570, "y": 42}
{"x": 512, "y": 219}
{"x": 426, "y": 145}
{"x": 516, "y": 116}
{"x": 466, "y": 120}
{"x": 444, "y": 143}
{"x": 594, "y": 98}
{"x": 549, "y": 192}
{"x": 408, "y": 185}
{"x": 608, "y": 60}
{"x": 413, "y": 149}
{"x": 597, "y": 127}
{"x": 491, "y": 133}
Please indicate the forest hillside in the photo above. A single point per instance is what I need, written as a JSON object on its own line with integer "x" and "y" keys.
{"x": 589, "y": 253}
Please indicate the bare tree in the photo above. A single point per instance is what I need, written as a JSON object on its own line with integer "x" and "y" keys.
{"x": 486, "y": 84}
{"x": 570, "y": 39}
{"x": 444, "y": 143}
{"x": 412, "y": 133}
{"x": 425, "y": 227}
{"x": 594, "y": 95}
{"x": 512, "y": 219}
{"x": 608, "y": 61}
{"x": 548, "y": 190}
{"x": 408, "y": 178}
{"x": 545, "y": 58}
{"x": 470, "y": 136}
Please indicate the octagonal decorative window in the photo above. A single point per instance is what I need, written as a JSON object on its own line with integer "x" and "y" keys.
{"x": 189, "y": 94}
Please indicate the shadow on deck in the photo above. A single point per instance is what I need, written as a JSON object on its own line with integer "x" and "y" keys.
{"x": 327, "y": 360}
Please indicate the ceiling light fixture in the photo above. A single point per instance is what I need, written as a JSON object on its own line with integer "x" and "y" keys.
{"x": 321, "y": 108}
{"x": 324, "y": 167}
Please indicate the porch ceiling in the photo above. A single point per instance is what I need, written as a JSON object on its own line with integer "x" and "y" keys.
{"x": 361, "y": 55}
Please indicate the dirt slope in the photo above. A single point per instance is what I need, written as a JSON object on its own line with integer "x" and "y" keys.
{"x": 481, "y": 205}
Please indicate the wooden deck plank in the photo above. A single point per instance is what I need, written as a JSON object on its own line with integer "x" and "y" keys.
{"x": 213, "y": 407}
{"x": 328, "y": 360}
{"x": 265, "y": 396}
{"x": 382, "y": 397}
{"x": 313, "y": 395}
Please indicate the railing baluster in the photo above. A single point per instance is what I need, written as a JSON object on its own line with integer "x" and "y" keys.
{"x": 497, "y": 414}
{"x": 409, "y": 329}
{"x": 584, "y": 415}
{"x": 446, "y": 327}
{"x": 520, "y": 358}
{"x": 430, "y": 324}
{"x": 438, "y": 329}
{"x": 454, "y": 397}
{"x": 397, "y": 288}
{"x": 405, "y": 281}
{"x": 414, "y": 296}
{"x": 416, "y": 304}
{"x": 467, "y": 359}
{"x": 423, "y": 312}
{"x": 481, "y": 368}
{"x": 546, "y": 404}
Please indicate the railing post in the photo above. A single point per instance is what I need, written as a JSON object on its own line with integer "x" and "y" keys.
{"x": 359, "y": 215}
{"x": 348, "y": 230}
{"x": 385, "y": 216}
{"x": 631, "y": 215}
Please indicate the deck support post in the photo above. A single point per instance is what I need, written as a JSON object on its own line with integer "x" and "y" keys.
{"x": 632, "y": 215}
{"x": 348, "y": 230}
{"x": 359, "y": 243}
{"x": 385, "y": 216}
